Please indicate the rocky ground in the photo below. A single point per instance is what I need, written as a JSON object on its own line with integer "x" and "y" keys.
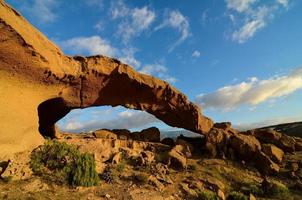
{"x": 140, "y": 166}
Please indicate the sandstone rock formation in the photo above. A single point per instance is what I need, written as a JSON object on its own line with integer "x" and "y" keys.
{"x": 39, "y": 85}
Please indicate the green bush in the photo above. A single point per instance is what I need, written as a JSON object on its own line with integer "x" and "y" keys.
{"x": 64, "y": 163}
{"x": 207, "y": 195}
{"x": 277, "y": 189}
{"x": 256, "y": 190}
{"x": 141, "y": 178}
{"x": 237, "y": 196}
{"x": 120, "y": 167}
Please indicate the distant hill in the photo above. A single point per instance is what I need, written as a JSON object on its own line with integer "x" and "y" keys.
{"x": 292, "y": 129}
{"x": 176, "y": 133}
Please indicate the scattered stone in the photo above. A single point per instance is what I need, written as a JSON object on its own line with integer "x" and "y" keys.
{"x": 275, "y": 153}
{"x": 213, "y": 184}
{"x": 148, "y": 156}
{"x": 155, "y": 182}
{"x": 107, "y": 196}
{"x": 190, "y": 192}
{"x": 104, "y": 134}
{"x": 117, "y": 158}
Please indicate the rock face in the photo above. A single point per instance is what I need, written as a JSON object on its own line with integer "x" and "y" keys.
{"x": 39, "y": 85}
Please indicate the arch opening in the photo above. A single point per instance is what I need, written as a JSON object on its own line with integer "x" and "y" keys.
{"x": 49, "y": 112}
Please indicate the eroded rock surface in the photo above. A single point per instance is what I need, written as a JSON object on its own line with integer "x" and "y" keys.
{"x": 39, "y": 85}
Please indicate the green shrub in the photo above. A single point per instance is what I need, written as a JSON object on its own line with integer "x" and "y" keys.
{"x": 237, "y": 196}
{"x": 64, "y": 163}
{"x": 120, "y": 167}
{"x": 256, "y": 190}
{"x": 277, "y": 189}
{"x": 141, "y": 178}
{"x": 207, "y": 195}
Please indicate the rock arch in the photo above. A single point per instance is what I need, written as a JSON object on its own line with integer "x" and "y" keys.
{"x": 37, "y": 78}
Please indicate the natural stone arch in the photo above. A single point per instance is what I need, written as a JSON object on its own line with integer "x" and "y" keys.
{"x": 33, "y": 71}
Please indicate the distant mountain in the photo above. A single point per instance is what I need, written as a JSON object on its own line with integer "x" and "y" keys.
{"x": 175, "y": 134}
{"x": 292, "y": 129}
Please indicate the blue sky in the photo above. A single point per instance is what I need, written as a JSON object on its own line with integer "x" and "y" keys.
{"x": 239, "y": 59}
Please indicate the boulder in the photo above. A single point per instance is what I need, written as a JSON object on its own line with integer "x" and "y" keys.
{"x": 267, "y": 135}
{"x": 275, "y": 153}
{"x": 264, "y": 164}
{"x": 104, "y": 134}
{"x": 150, "y": 135}
{"x": 177, "y": 157}
{"x": 217, "y": 141}
{"x": 53, "y": 84}
{"x": 223, "y": 125}
{"x": 287, "y": 143}
{"x": 298, "y": 145}
{"x": 168, "y": 141}
{"x": 245, "y": 146}
{"x": 122, "y": 134}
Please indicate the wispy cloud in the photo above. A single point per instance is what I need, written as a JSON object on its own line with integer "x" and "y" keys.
{"x": 175, "y": 19}
{"x": 128, "y": 119}
{"x": 240, "y": 5}
{"x": 133, "y": 21}
{"x": 252, "y": 92}
{"x": 95, "y": 45}
{"x": 251, "y": 16}
{"x": 195, "y": 54}
{"x": 158, "y": 70}
{"x": 42, "y": 10}
{"x": 89, "y": 45}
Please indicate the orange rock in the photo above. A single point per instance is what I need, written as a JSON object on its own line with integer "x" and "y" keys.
{"x": 39, "y": 85}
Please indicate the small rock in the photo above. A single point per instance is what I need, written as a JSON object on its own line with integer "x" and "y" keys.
{"x": 265, "y": 164}
{"x": 155, "y": 182}
{"x": 148, "y": 156}
{"x": 177, "y": 158}
{"x": 107, "y": 196}
{"x": 117, "y": 158}
{"x": 275, "y": 153}
{"x": 252, "y": 197}
{"x": 188, "y": 190}
{"x": 294, "y": 167}
{"x": 220, "y": 194}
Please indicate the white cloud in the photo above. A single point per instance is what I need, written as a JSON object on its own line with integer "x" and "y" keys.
{"x": 240, "y": 5}
{"x": 283, "y": 2}
{"x": 42, "y": 10}
{"x": 124, "y": 120}
{"x": 128, "y": 58}
{"x": 92, "y": 45}
{"x": 251, "y": 16}
{"x": 178, "y": 21}
{"x": 133, "y": 20}
{"x": 252, "y": 92}
{"x": 95, "y": 3}
{"x": 158, "y": 70}
{"x": 195, "y": 54}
